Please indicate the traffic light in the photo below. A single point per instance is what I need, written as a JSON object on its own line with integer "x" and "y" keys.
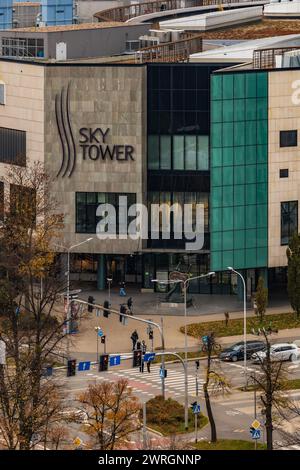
{"x": 71, "y": 370}
{"x": 151, "y": 334}
{"x": 137, "y": 358}
{"x": 106, "y": 308}
{"x": 103, "y": 362}
{"x": 91, "y": 300}
{"x": 197, "y": 363}
{"x": 103, "y": 339}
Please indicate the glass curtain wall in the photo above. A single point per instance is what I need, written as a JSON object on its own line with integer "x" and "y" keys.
{"x": 239, "y": 173}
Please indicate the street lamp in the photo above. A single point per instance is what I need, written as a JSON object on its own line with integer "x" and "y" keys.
{"x": 185, "y": 284}
{"x": 69, "y": 249}
{"x": 109, "y": 281}
{"x": 245, "y": 322}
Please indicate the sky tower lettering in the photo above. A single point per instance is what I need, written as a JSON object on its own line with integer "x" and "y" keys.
{"x": 94, "y": 146}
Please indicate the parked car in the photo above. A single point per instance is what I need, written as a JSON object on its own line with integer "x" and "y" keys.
{"x": 236, "y": 351}
{"x": 278, "y": 352}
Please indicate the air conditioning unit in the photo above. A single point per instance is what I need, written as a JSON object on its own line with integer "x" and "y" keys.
{"x": 148, "y": 41}
{"x": 177, "y": 35}
{"x": 132, "y": 46}
{"x": 163, "y": 35}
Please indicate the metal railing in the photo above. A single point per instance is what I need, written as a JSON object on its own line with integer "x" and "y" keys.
{"x": 177, "y": 51}
{"x": 265, "y": 58}
{"x": 125, "y": 13}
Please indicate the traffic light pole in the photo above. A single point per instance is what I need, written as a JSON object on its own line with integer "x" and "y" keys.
{"x": 132, "y": 317}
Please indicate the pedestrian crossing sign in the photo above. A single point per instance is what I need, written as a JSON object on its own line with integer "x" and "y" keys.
{"x": 255, "y": 434}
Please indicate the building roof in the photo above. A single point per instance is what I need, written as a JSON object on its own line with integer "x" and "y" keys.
{"x": 243, "y": 51}
{"x": 69, "y": 27}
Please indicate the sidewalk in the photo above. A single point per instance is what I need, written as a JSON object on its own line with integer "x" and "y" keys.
{"x": 84, "y": 345}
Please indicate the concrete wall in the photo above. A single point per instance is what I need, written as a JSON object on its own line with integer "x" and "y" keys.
{"x": 84, "y": 43}
{"x": 107, "y": 97}
{"x": 94, "y": 42}
{"x": 284, "y": 114}
{"x": 24, "y": 108}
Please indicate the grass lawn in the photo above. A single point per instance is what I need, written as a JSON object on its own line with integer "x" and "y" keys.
{"x": 167, "y": 416}
{"x": 235, "y": 326}
{"x": 292, "y": 384}
{"x": 228, "y": 444}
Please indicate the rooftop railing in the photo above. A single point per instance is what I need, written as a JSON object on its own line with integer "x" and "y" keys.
{"x": 177, "y": 51}
{"x": 125, "y": 13}
{"x": 266, "y": 58}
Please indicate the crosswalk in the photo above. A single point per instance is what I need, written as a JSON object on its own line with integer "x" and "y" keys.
{"x": 149, "y": 384}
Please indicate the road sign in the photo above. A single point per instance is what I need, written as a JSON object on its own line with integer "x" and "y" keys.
{"x": 149, "y": 357}
{"x": 256, "y": 434}
{"x": 255, "y": 424}
{"x": 100, "y": 332}
{"x": 196, "y": 409}
{"x": 114, "y": 360}
{"x": 77, "y": 441}
{"x": 84, "y": 365}
{"x": 162, "y": 373}
{"x": 205, "y": 339}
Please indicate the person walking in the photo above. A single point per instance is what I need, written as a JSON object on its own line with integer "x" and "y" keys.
{"x": 129, "y": 305}
{"x": 144, "y": 349}
{"x": 149, "y": 367}
{"x": 134, "y": 338}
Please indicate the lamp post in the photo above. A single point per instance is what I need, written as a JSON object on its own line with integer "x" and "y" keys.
{"x": 109, "y": 280}
{"x": 69, "y": 249}
{"x": 245, "y": 321}
{"x": 185, "y": 285}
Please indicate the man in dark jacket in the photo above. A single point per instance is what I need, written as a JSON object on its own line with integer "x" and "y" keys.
{"x": 134, "y": 337}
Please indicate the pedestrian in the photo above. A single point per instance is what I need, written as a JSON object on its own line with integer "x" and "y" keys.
{"x": 142, "y": 364}
{"x": 122, "y": 311}
{"x": 134, "y": 337}
{"x": 148, "y": 366}
{"x": 138, "y": 346}
{"x": 144, "y": 347}
{"x": 129, "y": 305}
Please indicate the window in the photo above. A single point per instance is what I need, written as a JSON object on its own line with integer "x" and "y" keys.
{"x": 2, "y": 93}
{"x": 1, "y": 200}
{"x": 86, "y": 207}
{"x": 12, "y": 146}
{"x": 178, "y": 152}
{"x": 284, "y": 173}
{"x": 288, "y": 138}
{"x": 289, "y": 220}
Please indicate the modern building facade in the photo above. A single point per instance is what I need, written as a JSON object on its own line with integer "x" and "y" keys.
{"x": 6, "y": 14}
{"x": 161, "y": 133}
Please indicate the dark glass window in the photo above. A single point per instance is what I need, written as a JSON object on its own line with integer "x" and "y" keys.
{"x": 23, "y": 203}
{"x": 12, "y": 146}
{"x": 289, "y": 220}
{"x": 284, "y": 173}
{"x": 1, "y": 200}
{"x": 288, "y": 138}
{"x": 86, "y": 207}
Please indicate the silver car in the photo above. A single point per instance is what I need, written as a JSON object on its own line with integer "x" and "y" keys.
{"x": 278, "y": 352}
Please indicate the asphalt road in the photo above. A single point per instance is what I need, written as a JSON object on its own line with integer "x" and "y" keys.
{"x": 233, "y": 412}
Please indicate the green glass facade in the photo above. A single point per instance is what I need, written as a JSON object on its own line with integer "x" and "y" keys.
{"x": 239, "y": 170}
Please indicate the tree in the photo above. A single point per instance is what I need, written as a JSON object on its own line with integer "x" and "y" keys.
{"x": 293, "y": 287}
{"x": 31, "y": 324}
{"x": 271, "y": 384}
{"x": 111, "y": 411}
{"x": 214, "y": 382}
{"x": 261, "y": 298}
